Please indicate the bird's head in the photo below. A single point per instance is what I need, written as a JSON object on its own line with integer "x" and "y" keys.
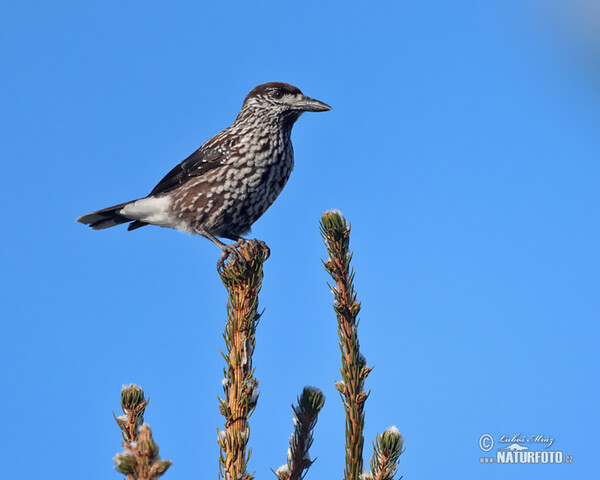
{"x": 283, "y": 100}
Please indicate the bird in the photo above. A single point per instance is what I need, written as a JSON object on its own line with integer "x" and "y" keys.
{"x": 221, "y": 189}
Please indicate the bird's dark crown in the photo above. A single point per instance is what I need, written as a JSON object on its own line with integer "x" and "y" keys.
{"x": 273, "y": 88}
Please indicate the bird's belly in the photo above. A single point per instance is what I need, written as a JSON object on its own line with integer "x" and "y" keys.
{"x": 227, "y": 204}
{"x": 257, "y": 194}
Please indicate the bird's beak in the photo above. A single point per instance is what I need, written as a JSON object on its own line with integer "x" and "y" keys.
{"x": 307, "y": 104}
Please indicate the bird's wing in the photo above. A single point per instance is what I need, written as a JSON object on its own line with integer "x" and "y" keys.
{"x": 198, "y": 163}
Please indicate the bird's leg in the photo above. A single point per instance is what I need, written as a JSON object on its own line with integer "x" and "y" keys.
{"x": 227, "y": 249}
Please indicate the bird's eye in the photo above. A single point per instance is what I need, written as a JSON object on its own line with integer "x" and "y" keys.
{"x": 278, "y": 94}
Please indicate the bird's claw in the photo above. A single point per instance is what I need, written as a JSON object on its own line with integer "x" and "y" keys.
{"x": 232, "y": 250}
{"x": 266, "y": 250}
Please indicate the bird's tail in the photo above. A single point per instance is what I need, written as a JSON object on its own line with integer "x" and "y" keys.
{"x": 110, "y": 217}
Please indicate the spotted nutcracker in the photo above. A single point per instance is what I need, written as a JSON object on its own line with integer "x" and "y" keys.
{"x": 230, "y": 181}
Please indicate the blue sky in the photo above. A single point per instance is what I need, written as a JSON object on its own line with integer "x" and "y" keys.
{"x": 463, "y": 146}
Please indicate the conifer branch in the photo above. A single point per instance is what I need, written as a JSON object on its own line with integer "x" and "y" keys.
{"x": 306, "y": 414}
{"x": 140, "y": 459}
{"x": 354, "y": 371}
{"x": 387, "y": 449}
{"x": 242, "y": 277}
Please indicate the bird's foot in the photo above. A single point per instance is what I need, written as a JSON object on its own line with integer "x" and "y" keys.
{"x": 252, "y": 244}
{"x": 233, "y": 252}
{"x": 266, "y": 250}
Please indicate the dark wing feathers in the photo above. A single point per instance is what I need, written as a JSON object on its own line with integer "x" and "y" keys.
{"x": 198, "y": 163}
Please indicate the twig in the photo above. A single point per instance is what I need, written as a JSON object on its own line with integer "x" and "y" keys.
{"x": 243, "y": 281}
{"x": 306, "y": 414}
{"x": 140, "y": 459}
{"x": 387, "y": 449}
{"x": 336, "y": 234}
